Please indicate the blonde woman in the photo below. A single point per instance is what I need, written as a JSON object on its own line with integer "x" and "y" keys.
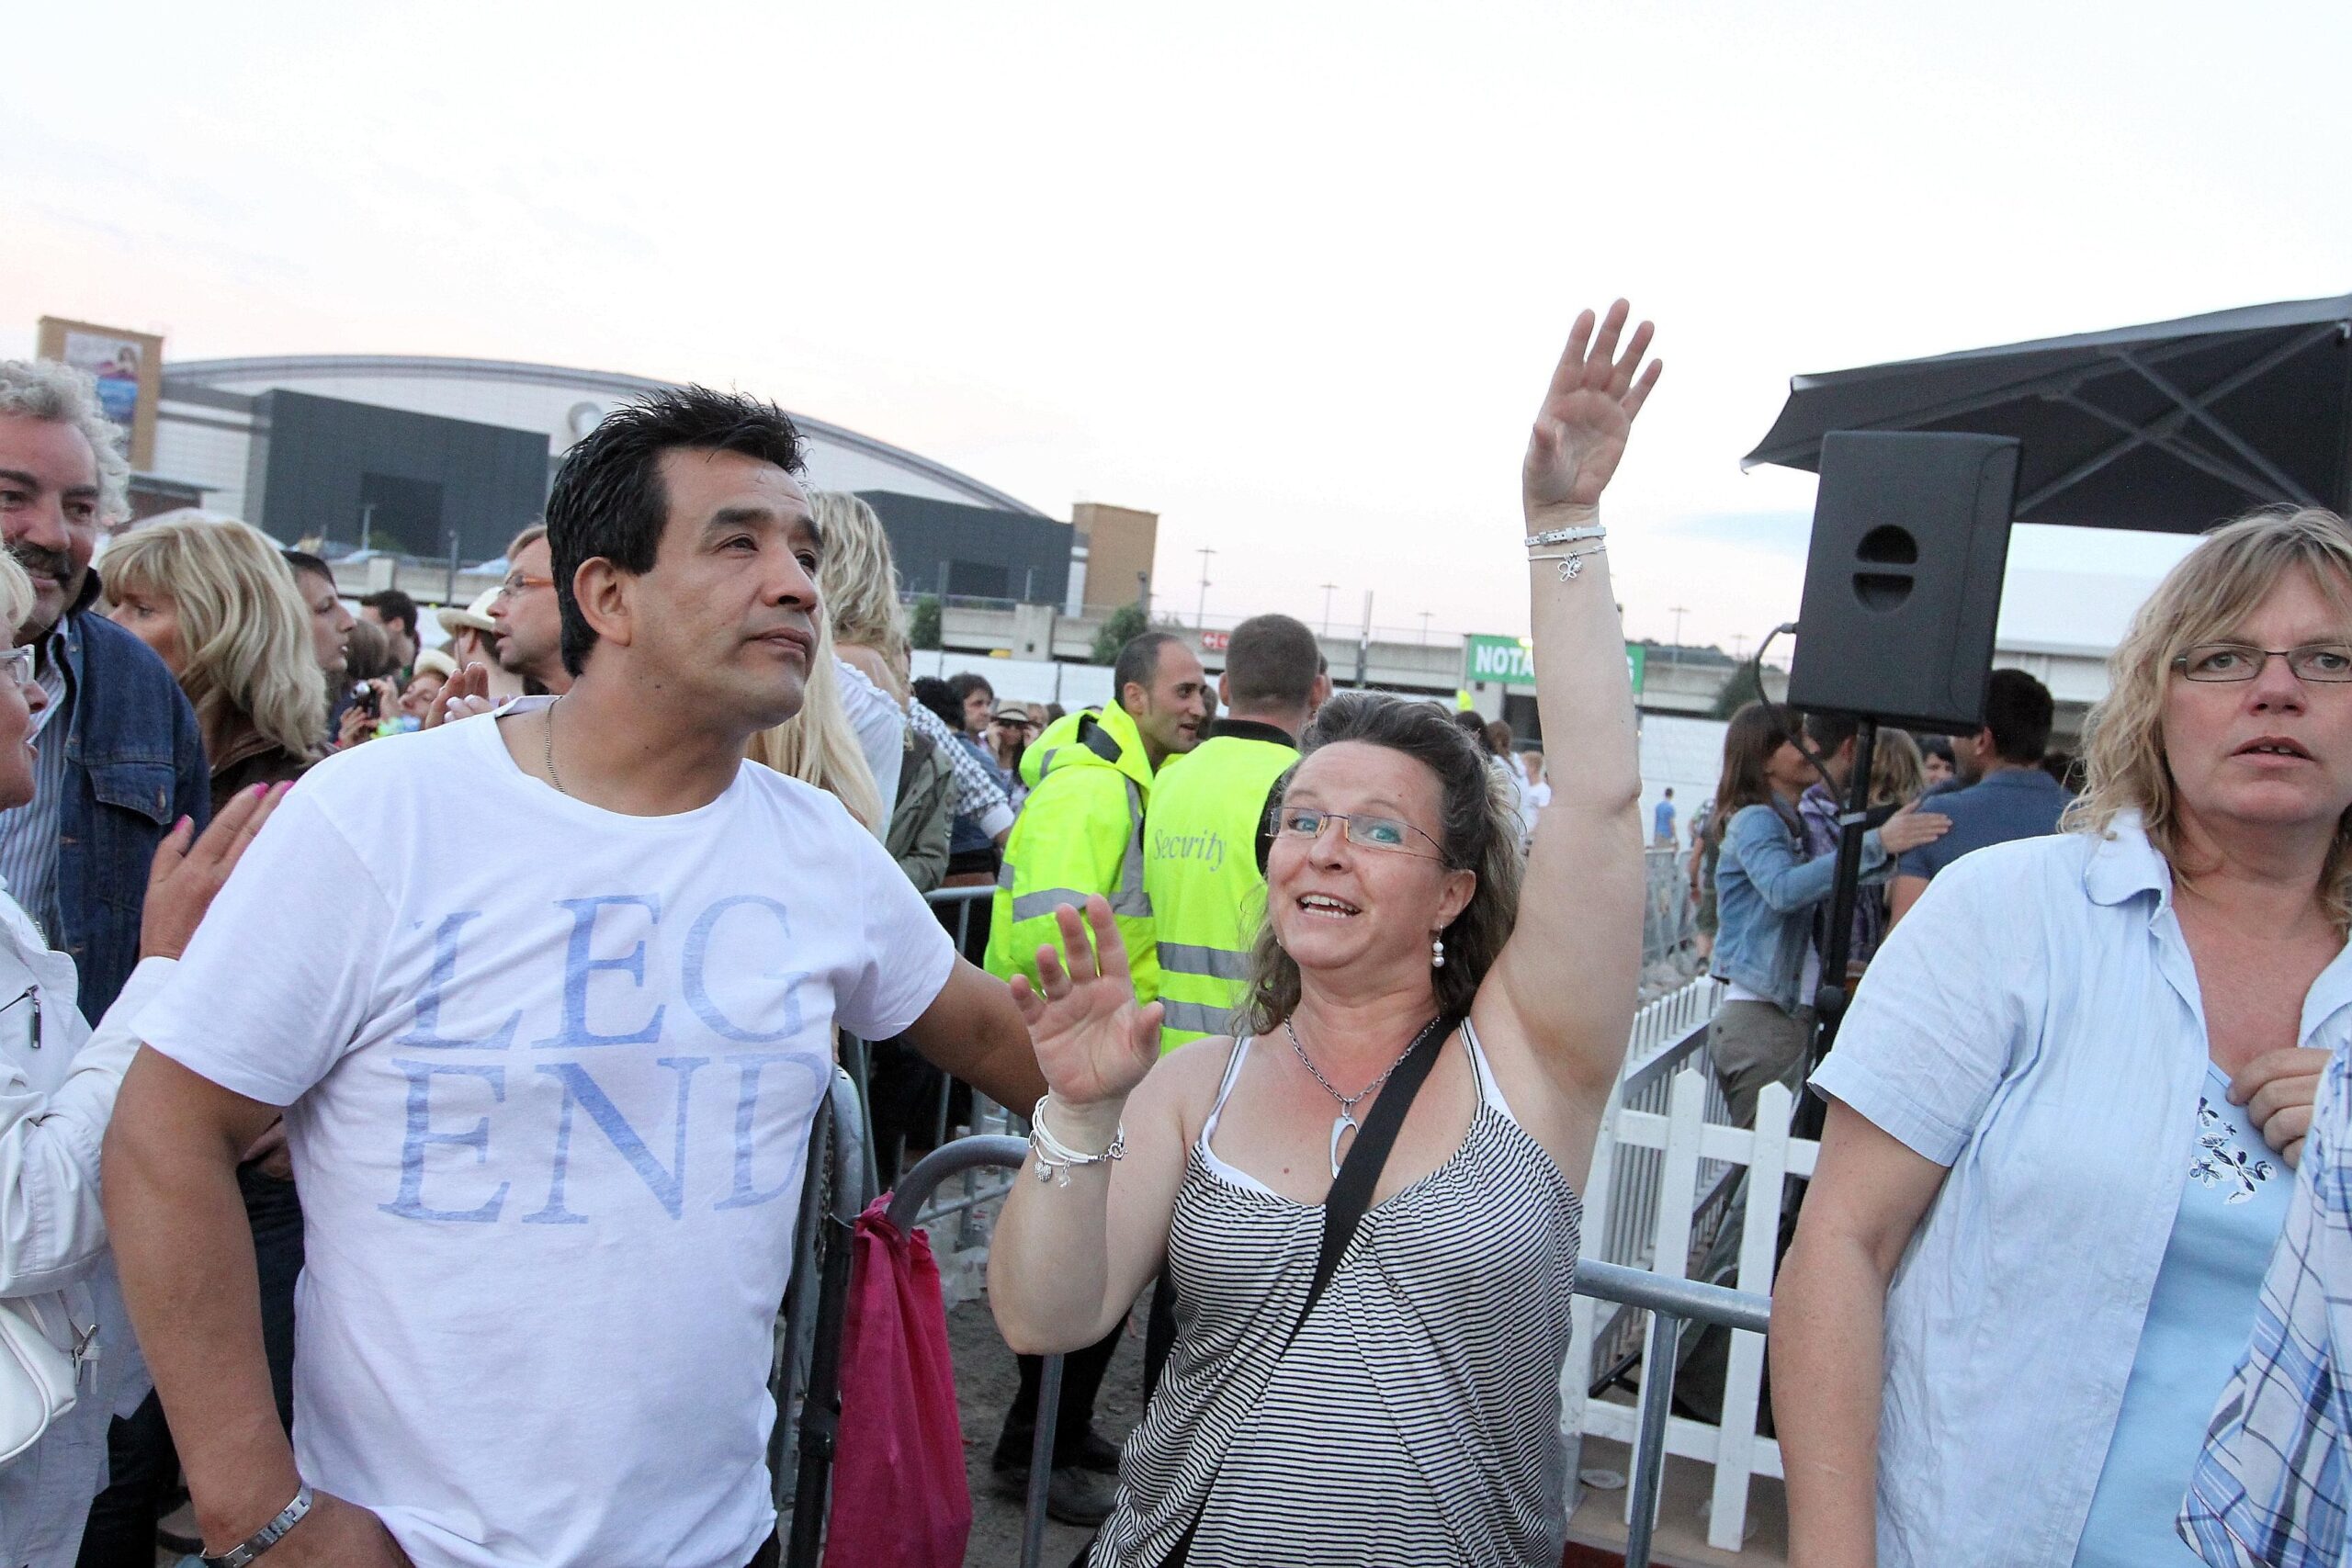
{"x": 859, "y": 581}
{"x": 818, "y": 746}
{"x": 218, "y": 603}
{"x": 1898, "y": 776}
{"x": 2067, "y": 1102}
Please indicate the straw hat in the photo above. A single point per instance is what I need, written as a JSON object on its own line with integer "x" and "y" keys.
{"x": 473, "y": 617}
{"x": 433, "y": 661}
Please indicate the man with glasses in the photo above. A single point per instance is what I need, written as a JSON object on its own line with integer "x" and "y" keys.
{"x": 530, "y": 642}
{"x": 2004, "y": 796}
{"x": 118, "y": 756}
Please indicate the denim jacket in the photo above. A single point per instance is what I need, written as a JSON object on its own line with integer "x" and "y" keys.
{"x": 134, "y": 766}
{"x": 1765, "y": 894}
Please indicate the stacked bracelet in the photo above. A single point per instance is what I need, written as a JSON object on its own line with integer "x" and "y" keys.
{"x": 1058, "y": 1159}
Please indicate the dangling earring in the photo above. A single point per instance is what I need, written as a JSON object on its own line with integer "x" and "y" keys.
{"x": 1437, "y": 953}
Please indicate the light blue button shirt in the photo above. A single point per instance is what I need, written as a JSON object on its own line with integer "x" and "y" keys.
{"x": 2034, "y": 1025}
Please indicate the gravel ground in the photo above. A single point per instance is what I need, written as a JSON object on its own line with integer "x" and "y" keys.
{"x": 985, "y": 1381}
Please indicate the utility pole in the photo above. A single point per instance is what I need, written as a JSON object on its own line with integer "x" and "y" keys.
{"x": 1740, "y": 647}
{"x": 1200, "y": 613}
{"x": 366, "y": 523}
{"x": 1326, "y": 588}
{"x": 1364, "y": 643}
{"x": 1678, "y": 612}
{"x": 1425, "y": 628}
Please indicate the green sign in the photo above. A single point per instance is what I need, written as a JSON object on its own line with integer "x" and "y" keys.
{"x": 1511, "y": 661}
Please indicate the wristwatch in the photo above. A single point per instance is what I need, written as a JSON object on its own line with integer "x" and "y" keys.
{"x": 262, "y": 1540}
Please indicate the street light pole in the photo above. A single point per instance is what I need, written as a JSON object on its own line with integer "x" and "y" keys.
{"x": 1425, "y": 628}
{"x": 1200, "y": 614}
{"x": 1326, "y": 588}
{"x": 1678, "y": 612}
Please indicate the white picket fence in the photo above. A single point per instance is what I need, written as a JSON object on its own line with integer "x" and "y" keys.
{"x": 1666, "y": 1144}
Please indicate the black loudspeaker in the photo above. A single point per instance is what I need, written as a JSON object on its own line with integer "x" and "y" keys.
{"x": 1903, "y": 582}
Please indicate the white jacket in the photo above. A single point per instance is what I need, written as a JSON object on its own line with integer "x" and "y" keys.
{"x": 57, "y": 1087}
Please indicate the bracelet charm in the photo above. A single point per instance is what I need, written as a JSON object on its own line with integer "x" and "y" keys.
{"x": 1057, "y": 1159}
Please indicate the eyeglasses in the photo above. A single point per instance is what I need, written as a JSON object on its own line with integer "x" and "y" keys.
{"x": 2327, "y": 662}
{"x": 18, "y": 663}
{"x": 1365, "y": 832}
{"x": 516, "y": 583}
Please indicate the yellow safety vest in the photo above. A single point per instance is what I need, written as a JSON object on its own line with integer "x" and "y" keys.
{"x": 1199, "y": 868}
{"x": 1080, "y": 832}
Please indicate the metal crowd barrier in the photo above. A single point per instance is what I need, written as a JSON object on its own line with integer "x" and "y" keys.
{"x": 1671, "y": 1303}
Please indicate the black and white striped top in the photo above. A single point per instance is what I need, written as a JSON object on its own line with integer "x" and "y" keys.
{"x": 1416, "y": 1418}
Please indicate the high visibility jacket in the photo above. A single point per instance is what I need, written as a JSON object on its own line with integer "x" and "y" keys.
{"x": 1080, "y": 831}
{"x": 1199, "y": 866}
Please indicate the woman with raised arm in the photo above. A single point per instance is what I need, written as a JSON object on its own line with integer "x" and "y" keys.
{"x": 1426, "y": 1050}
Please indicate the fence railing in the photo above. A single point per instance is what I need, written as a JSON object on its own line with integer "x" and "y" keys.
{"x": 1707, "y": 1174}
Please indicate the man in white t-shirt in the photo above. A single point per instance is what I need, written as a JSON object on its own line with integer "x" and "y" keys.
{"x": 548, "y": 1001}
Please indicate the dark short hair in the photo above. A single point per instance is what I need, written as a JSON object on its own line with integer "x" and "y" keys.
{"x": 962, "y": 683}
{"x": 303, "y": 560}
{"x": 608, "y": 502}
{"x": 2020, "y": 712}
{"x": 1498, "y": 738}
{"x": 1828, "y": 731}
{"x": 940, "y": 698}
{"x": 1936, "y": 746}
{"x": 1474, "y": 725}
{"x": 1271, "y": 662}
{"x": 1138, "y": 662}
{"x": 392, "y": 605}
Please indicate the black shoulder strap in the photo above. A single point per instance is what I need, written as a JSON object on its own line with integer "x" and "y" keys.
{"x": 1097, "y": 740}
{"x": 1351, "y": 1190}
{"x": 1350, "y": 1196}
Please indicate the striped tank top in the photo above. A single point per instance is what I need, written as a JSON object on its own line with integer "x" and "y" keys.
{"x": 1416, "y": 1418}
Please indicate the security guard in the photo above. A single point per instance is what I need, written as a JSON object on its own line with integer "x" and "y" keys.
{"x": 1081, "y": 832}
{"x": 1205, "y": 844}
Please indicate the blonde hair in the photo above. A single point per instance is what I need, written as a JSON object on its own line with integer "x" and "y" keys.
{"x": 1897, "y": 773}
{"x": 817, "y": 745}
{"x": 859, "y": 580}
{"x": 17, "y": 595}
{"x": 244, "y": 631}
{"x": 2207, "y": 597}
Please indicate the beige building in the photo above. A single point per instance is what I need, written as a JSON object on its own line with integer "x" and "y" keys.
{"x": 1118, "y": 543}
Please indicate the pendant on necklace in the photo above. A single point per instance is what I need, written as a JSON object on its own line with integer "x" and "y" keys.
{"x": 1342, "y": 1124}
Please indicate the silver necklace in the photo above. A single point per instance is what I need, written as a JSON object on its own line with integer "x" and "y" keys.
{"x": 549, "y": 755}
{"x": 1345, "y": 1122}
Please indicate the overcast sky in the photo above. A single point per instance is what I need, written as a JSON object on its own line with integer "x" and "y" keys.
{"x": 1291, "y": 276}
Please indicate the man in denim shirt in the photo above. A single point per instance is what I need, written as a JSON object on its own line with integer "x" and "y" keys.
{"x": 119, "y": 759}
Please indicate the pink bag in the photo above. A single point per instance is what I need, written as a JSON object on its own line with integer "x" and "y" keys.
{"x": 899, "y": 1496}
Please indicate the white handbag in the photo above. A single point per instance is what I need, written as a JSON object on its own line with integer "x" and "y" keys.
{"x": 37, "y": 1379}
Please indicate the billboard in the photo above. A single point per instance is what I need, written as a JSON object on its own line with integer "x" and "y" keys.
{"x": 128, "y": 367}
{"x": 1511, "y": 661}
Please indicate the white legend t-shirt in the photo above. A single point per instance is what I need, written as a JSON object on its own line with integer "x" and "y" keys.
{"x": 551, "y": 1072}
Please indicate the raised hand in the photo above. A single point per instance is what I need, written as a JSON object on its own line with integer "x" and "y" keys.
{"x": 463, "y": 696}
{"x": 184, "y": 876}
{"x": 1093, "y": 1042}
{"x": 1580, "y": 431}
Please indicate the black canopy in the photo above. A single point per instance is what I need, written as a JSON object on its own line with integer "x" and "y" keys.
{"x": 2173, "y": 426}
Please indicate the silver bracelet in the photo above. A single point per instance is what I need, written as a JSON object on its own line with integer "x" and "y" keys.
{"x": 1571, "y": 561}
{"x": 1567, "y": 536}
{"x": 262, "y": 1540}
{"x": 1058, "y": 1159}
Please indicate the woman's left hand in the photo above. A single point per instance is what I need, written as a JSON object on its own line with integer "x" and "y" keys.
{"x": 2276, "y": 1090}
{"x": 1093, "y": 1042}
{"x": 1587, "y": 411}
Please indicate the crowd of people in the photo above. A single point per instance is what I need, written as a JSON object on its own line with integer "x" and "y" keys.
{"x": 339, "y": 1137}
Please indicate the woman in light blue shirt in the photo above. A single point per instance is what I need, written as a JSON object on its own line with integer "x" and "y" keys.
{"x": 2066, "y": 1104}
